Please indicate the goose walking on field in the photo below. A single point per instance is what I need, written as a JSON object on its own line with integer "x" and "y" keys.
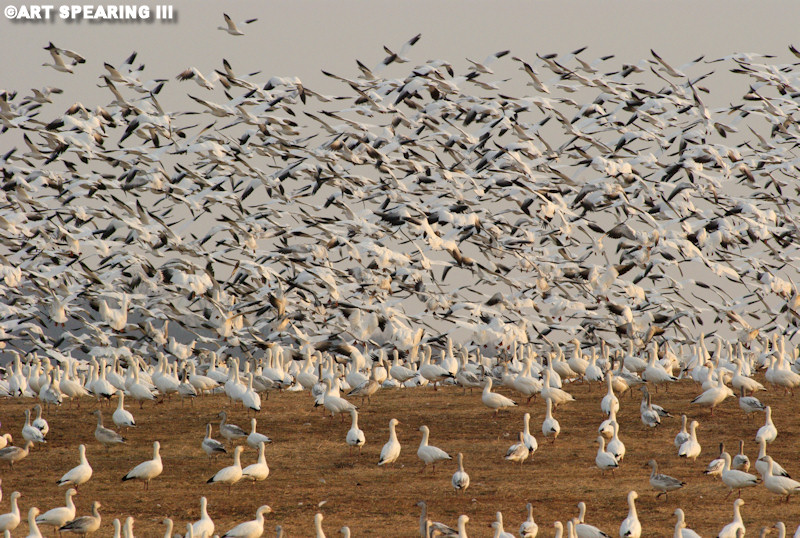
{"x": 203, "y": 527}
{"x": 732, "y": 529}
{"x": 355, "y": 436}
{"x": 691, "y": 448}
{"x": 605, "y": 461}
{"x": 14, "y": 454}
{"x": 583, "y": 529}
{"x": 460, "y": 480}
{"x": 211, "y": 446}
{"x": 250, "y": 529}
{"x": 122, "y": 417}
{"x": 254, "y": 438}
{"x": 231, "y": 474}
{"x": 147, "y": 470}
{"x": 518, "y": 452}
{"x": 231, "y": 432}
{"x": 429, "y": 454}
{"x": 258, "y": 470}
{"x": 107, "y": 438}
{"x": 661, "y": 482}
{"x": 84, "y": 525}
{"x": 391, "y": 450}
{"x": 781, "y": 485}
{"x": 768, "y": 432}
{"x": 10, "y": 521}
{"x": 736, "y": 479}
{"x": 57, "y": 517}
{"x": 550, "y": 426}
{"x": 529, "y": 528}
{"x": 493, "y": 400}
{"x": 630, "y": 526}
{"x": 681, "y": 531}
{"x": 79, "y": 474}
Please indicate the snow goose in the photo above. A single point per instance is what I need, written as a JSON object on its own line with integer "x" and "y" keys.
{"x": 203, "y": 527}
{"x": 606, "y": 429}
{"x": 250, "y": 529}
{"x": 231, "y": 432}
{"x": 529, "y": 528}
{"x": 615, "y": 446}
{"x": 680, "y": 526}
{"x": 57, "y": 517}
{"x": 716, "y": 465}
{"x": 230, "y": 26}
{"x": 434, "y": 373}
{"x": 254, "y": 438}
{"x": 139, "y": 390}
{"x": 85, "y": 524}
{"x": 428, "y": 527}
{"x": 39, "y": 422}
{"x": 122, "y": 417}
{"x": 460, "y": 480}
{"x": 333, "y": 403}
{"x": 584, "y": 530}
{"x": 550, "y": 426}
{"x": 518, "y": 452}
{"x": 655, "y": 372}
{"x": 10, "y": 521}
{"x": 429, "y": 454}
{"x": 211, "y": 446}
{"x": 497, "y": 525}
{"x": 761, "y": 462}
{"x": 251, "y": 400}
{"x": 736, "y": 479}
{"x": 169, "y": 525}
{"x": 355, "y": 436}
{"x": 768, "y": 432}
{"x": 559, "y": 529}
{"x": 5, "y": 439}
{"x": 742, "y": 382}
{"x": 391, "y": 450}
{"x": 259, "y": 470}
{"x": 630, "y": 526}
{"x": 493, "y": 400}
{"x": 33, "y": 528}
{"x": 107, "y": 438}
{"x": 14, "y": 454}
{"x": 732, "y": 529}
{"x": 691, "y": 448}
{"x": 463, "y": 519}
{"x": 557, "y": 395}
{"x": 740, "y": 461}
{"x": 661, "y": 482}
{"x": 30, "y": 432}
{"x": 231, "y": 474}
{"x": 80, "y": 474}
{"x": 662, "y": 413}
{"x": 714, "y": 395}
{"x": 650, "y": 417}
{"x": 524, "y": 382}
{"x": 605, "y": 461}
{"x": 147, "y": 470}
{"x": 530, "y": 440}
{"x": 750, "y": 404}
{"x": 319, "y": 533}
{"x": 368, "y": 387}
{"x": 610, "y": 402}
{"x": 781, "y": 485}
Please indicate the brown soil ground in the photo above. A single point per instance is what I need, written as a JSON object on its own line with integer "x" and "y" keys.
{"x": 311, "y": 470}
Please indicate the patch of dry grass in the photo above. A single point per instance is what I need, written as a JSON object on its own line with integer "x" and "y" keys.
{"x": 309, "y": 464}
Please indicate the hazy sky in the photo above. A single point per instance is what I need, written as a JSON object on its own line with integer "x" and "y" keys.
{"x": 300, "y": 37}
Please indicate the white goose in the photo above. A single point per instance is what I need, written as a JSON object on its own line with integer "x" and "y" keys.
{"x": 39, "y": 422}
{"x": 57, "y": 517}
{"x": 529, "y": 528}
{"x": 714, "y": 395}
{"x": 259, "y": 470}
{"x": 391, "y": 450}
{"x": 254, "y": 438}
{"x": 250, "y": 529}
{"x": 691, "y": 448}
{"x": 147, "y": 470}
{"x": 768, "y": 432}
{"x": 231, "y": 474}
{"x": 333, "y": 403}
{"x": 211, "y": 446}
{"x": 530, "y": 440}
{"x": 715, "y": 466}
{"x": 31, "y": 432}
{"x": 550, "y": 426}
{"x": 33, "y": 528}
{"x": 231, "y": 432}
{"x": 680, "y": 526}
{"x": 584, "y": 530}
{"x": 122, "y": 417}
{"x": 493, "y": 400}
{"x": 781, "y": 485}
{"x": 605, "y": 461}
{"x": 10, "y": 521}
{"x": 740, "y": 461}
{"x": 630, "y": 526}
{"x": 460, "y": 480}
{"x": 558, "y": 396}
{"x": 615, "y": 446}
{"x": 355, "y": 436}
{"x": 518, "y": 452}
{"x": 750, "y": 404}
{"x": 610, "y": 402}
{"x": 107, "y": 438}
{"x": 661, "y": 482}
{"x": 251, "y": 400}
{"x": 85, "y": 524}
{"x": 732, "y": 529}
{"x": 429, "y": 454}
{"x": 761, "y": 462}
{"x": 79, "y": 474}
{"x": 203, "y": 527}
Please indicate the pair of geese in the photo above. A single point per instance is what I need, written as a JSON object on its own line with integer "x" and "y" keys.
{"x": 429, "y": 454}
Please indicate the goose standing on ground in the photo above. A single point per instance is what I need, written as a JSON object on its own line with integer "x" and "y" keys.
{"x": 714, "y": 395}
{"x": 716, "y": 465}
{"x": 122, "y": 417}
{"x": 683, "y": 434}
{"x": 493, "y": 400}
{"x": 605, "y": 461}
{"x": 31, "y": 432}
{"x": 251, "y": 400}
{"x": 79, "y": 474}
{"x": 630, "y": 526}
{"x": 391, "y": 450}
{"x": 10, "y": 521}
{"x": 203, "y": 527}
{"x": 530, "y": 440}
{"x": 460, "y": 478}
{"x": 661, "y": 482}
{"x": 550, "y": 426}
{"x": 518, "y": 452}
{"x": 584, "y": 530}
{"x": 57, "y": 517}
{"x": 781, "y": 485}
{"x": 740, "y": 461}
{"x": 14, "y": 454}
{"x": 768, "y": 431}
{"x": 761, "y": 462}
{"x": 250, "y": 529}
{"x": 463, "y": 519}
{"x": 650, "y": 416}
{"x": 319, "y": 533}
{"x": 555, "y": 394}
{"x": 610, "y": 400}
{"x": 39, "y": 422}
{"x": 432, "y": 526}
{"x": 430, "y": 454}
{"x": 333, "y": 403}
{"x": 107, "y": 438}
{"x": 750, "y": 404}
{"x": 231, "y": 474}
{"x": 210, "y": 446}
{"x": 85, "y": 524}
{"x": 258, "y": 470}
{"x": 499, "y": 530}
{"x": 691, "y": 448}
{"x": 732, "y": 529}
{"x": 615, "y": 446}
{"x": 147, "y": 470}
{"x": 231, "y": 432}
{"x": 254, "y": 438}
{"x": 529, "y": 528}
{"x": 33, "y": 528}
{"x": 355, "y": 437}
{"x": 680, "y": 526}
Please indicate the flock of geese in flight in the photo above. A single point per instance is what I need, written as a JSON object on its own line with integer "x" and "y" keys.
{"x": 313, "y": 238}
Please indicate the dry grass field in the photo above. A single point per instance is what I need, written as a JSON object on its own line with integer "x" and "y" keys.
{"x": 311, "y": 470}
